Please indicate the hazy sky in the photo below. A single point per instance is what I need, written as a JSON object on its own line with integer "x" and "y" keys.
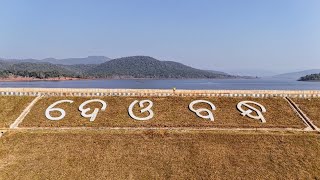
{"x": 232, "y": 35}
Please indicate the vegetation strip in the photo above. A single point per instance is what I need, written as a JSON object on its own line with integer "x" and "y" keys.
{"x": 16, "y": 123}
{"x": 302, "y": 114}
{"x": 311, "y": 77}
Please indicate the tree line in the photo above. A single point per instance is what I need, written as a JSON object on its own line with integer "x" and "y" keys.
{"x": 311, "y": 77}
{"x": 36, "y": 74}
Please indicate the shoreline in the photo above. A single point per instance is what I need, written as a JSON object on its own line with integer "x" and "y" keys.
{"x": 31, "y": 91}
{"x": 26, "y": 79}
{"x": 29, "y": 79}
{"x": 310, "y": 81}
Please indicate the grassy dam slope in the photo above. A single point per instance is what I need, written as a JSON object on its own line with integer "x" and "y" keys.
{"x": 176, "y": 143}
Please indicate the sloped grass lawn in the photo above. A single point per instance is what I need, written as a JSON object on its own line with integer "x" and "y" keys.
{"x": 94, "y": 154}
{"x": 311, "y": 107}
{"x": 11, "y": 107}
{"x": 168, "y": 112}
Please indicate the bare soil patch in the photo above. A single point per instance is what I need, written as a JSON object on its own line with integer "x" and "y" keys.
{"x": 169, "y": 112}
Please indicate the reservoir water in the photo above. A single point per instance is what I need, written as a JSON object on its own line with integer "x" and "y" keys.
{"x": 239, "y": 84}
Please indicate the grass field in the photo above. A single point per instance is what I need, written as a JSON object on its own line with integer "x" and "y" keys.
{"x": 93, "y": 153}
{"x": 88, "y": 154}
{"x": 11, "y": 107}
{"x": 311, "y": 107}
{"x": 169, "y": 112}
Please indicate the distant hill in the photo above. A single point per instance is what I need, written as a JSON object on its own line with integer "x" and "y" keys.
{"x": 126, "y": 67}
{"x": 67, "y": 61}
{"x": 297, "y": 75}
{"x": 217, "y": 72}
{"x": 39, "y": 70}
{"x": 72, "y": 61}
{"x": 148, "y": 67}
{"x": 4, "y": 65}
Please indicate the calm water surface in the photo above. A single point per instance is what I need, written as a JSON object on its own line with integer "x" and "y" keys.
{"x": 240, "y": 84}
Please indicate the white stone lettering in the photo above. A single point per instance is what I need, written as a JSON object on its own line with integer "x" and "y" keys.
{"x": 198, "y": 111}
{"x": 249, "y": 112}
{"x": 51, "y": 108}
{"x": 147, "y": 109}
{"x": 93, "y": 115}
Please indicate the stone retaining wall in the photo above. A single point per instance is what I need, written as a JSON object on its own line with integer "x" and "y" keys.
{"x": 155, "y": 92}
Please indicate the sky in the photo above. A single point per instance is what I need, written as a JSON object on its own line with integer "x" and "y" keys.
{"x": 254, "y": 37}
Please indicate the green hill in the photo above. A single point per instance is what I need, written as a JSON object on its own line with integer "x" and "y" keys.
{"x": 148, "y": 67}
{"x": 126, "y": 67}
{"x": 40, "y": 70}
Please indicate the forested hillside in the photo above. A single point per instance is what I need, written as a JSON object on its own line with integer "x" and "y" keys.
{"x": 148, "y": 67}
{"x": 311, "y": 77}
{"x": 126, "y": 67}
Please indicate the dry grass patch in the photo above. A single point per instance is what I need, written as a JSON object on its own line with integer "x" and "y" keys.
{"x": 11, "y": 107}
{"x": 311, "y": 107}
{"x": 158, "y": 155}
{"x": 169, "y": 112}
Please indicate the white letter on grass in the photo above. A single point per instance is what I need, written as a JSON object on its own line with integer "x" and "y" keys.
{"x": 148, "y": 108}
{"x": 198, "y": 111}
{"x": 62, "y": 112}
{"x": 93, "y": 115}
